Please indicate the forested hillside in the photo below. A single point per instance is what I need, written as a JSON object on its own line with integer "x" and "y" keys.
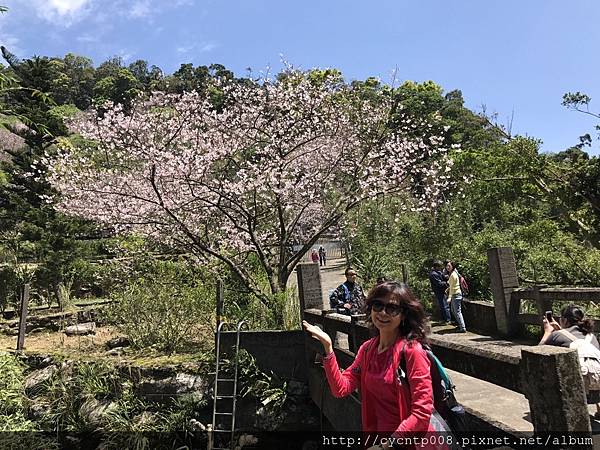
{"x": 500, "y": 189}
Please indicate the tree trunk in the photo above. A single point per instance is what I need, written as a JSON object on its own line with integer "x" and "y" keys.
{"x": 58, "y": 293}
{"x": 275, "y": 284}
{"x": 284, "y": 276}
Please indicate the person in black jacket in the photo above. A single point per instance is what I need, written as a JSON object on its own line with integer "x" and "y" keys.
{"x": 349, "y": 297}
{"x": 439, "y": 284}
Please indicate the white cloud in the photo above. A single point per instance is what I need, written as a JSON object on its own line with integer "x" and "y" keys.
{"x": 185, "y": 49}
{"x": 11, "y": 43}
{"x": 141, "y": 9}
{"x": 64, "y": 7}
{"x": 88, "y": 38}
{"x": 202, "y": 47}
{"x": 209, "y": 46}
{"x": 148, "y": 9}
{"x": 67, "y": 12}
{"x": 60, "y": 12}
{"x": 126, "y": 55}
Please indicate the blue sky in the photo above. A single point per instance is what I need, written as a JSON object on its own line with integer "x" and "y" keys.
{"x": 516, "y": 57}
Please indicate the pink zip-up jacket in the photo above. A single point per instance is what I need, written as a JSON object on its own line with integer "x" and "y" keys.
{"x": 415, "y": 403}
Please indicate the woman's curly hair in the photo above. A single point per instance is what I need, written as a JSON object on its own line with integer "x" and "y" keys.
{"x": 414, "y": 325}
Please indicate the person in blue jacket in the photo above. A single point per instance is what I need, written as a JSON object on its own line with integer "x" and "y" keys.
{"x": 348, "y": 298}
{"x": 439, "y": 284}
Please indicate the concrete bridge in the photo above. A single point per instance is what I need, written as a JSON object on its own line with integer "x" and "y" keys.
{"x": 508, "y": 385}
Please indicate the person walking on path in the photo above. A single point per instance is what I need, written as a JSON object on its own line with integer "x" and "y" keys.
{"x": 314, "y": 256}
{"x": 391, "y": 406}
{"x": 322, "y": 256}
{"x": 439, "y": 284}
{"x": 455, "y": 295}
{"x": 348, "y": 298}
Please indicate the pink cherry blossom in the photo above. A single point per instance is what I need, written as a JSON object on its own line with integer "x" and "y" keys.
{"x": 278, "y": 165}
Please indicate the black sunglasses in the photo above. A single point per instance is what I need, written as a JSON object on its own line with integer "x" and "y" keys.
{"x": 390, "y": 308}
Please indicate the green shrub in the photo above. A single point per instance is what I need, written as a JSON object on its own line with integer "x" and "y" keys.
{"x": 9, "y": 281}
{"x": 13, "y": 415}
{"x": 165, "y": 309}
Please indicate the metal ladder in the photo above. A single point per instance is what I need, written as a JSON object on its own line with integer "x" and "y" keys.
{"x": 233, "y": 396}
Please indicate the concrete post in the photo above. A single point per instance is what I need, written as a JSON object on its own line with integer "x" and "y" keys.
{"x": 219, "y": 292}
{"x": 24, "y": 303}
{"x": 309, "y": 287}
{"x": 352, "y": 341}
{"x": 542, "y": 305}
{"x": 404, "y": 267}
{"x": 504, "y": 279}
{"x": 552, "y": 382}
{"x": 329, "y": 329}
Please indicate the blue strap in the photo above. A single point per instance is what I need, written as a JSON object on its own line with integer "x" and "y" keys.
{"x": 440, "y": 368}
{"x": 346, "y": 293}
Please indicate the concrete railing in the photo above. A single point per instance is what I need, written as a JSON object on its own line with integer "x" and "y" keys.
{"x": 549, "y": 377}
{"x": 544, "y": 297}
{"x": 508, "y": 295}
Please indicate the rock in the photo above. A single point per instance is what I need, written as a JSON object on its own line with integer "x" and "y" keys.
{"x": 9, "y": 315}
{"x": 95, "y": 412}
{"x": 145, "y": 418}
{"x": 37, "y": 410}
{"x": 37, "y": 330}
{"x": 35, "y": 380}
{"x": 180, "y": 384}
{"x": 300, "y": 416}
{"x": 196, "y": 426}
{"x": 246, "y": 440}
{"x": 86, "y": 316}
{"x": 71, "y": 442}
{"x": 81, "y": 329}
{"x": 120, "y": 341}
{"x": 115, "y": 351}
{"x": 297, "y": 389}
{"x": 266, "y": 420}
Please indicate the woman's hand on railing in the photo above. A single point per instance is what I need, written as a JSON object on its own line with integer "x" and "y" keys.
{"x": 319, "y": 335}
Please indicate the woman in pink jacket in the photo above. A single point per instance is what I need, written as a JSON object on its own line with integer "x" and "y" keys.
{"x": 393, "y": 406}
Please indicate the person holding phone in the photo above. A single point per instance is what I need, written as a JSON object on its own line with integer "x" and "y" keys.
{"x": 389, "y": 406}
{"x": 577, "y": 326}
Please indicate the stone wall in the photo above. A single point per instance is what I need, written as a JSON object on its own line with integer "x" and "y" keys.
{"x": 281, "y": 352}
{"x": 480, "y": 316}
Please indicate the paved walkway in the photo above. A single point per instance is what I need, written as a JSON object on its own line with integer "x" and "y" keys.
{"x": 332, "y": 275}
{"x": 506, "y": 409}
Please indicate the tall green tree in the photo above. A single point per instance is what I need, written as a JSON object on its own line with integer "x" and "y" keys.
{"x": 30, "y": 227}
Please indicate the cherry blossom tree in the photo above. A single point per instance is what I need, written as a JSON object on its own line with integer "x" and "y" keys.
{"x": 277, "y": 164}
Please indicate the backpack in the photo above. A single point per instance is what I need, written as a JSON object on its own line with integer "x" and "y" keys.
{"x": 444, "y": 401}
{"x": 589, "y": 359}
{"x": 464, "y": 287}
